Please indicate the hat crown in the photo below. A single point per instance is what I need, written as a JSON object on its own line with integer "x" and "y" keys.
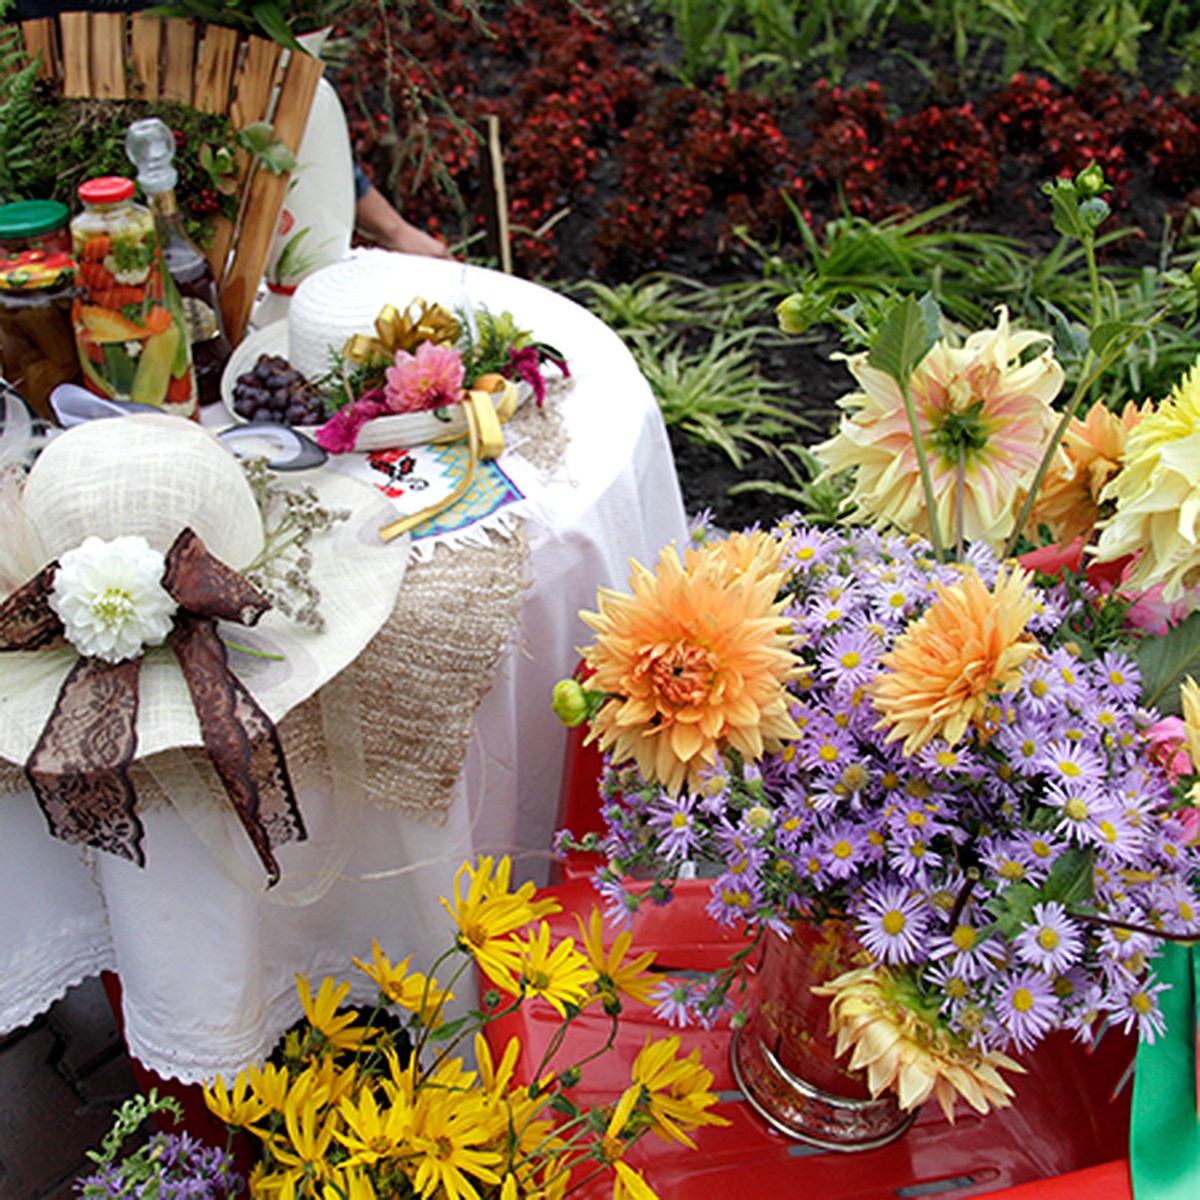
{"x": 334, "y": 304}
{"x": 150, "y": 476}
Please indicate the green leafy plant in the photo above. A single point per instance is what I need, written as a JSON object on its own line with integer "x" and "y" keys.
{"x": 717, "y": 396}
{"x": 267, "y": 18}
{"x": 20, "y": 114}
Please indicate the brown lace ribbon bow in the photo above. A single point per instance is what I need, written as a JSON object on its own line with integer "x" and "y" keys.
{"x": 79, "y": 769}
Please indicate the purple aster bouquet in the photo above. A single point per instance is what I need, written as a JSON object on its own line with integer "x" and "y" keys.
{"x": 166, "y": 1166}
{"x": 894, "y": 728}
{"x": 965, "y": 776}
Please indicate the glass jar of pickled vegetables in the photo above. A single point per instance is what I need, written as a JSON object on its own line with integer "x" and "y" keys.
{"x": 34, "y": 225}
{"x": 37, "y": 286}
{"x": 129, "y": 323}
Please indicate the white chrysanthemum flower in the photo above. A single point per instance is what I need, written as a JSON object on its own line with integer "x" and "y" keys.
{"x": 110, "y": 599}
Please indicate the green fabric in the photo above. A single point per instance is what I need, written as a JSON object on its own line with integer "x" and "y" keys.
{"x": 1165, "y": 1130}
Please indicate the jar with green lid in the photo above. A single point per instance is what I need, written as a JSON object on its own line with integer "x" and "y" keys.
{"x": 34, "y": 225}
{"x": 37, "y": 289}
{"x": 130, "y": 327}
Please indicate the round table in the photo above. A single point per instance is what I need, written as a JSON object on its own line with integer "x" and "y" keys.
{"x": 207, "y": 968}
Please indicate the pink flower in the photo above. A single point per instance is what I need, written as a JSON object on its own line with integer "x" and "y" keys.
{"x": 1151, "y": 612}
{"x": 431, "y": 378}
{"x": 339, "y": 434}
{"x": 1168, "y": 744}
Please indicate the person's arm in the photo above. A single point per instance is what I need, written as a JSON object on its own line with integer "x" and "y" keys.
{"x": 377, "y": 220}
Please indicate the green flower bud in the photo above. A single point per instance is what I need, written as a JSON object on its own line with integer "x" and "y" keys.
{"x": 569, "y": 702}
{"x": 794, "y": 313}
{"x": 1090, "y": 181}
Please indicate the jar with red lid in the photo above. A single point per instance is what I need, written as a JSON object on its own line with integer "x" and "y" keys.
{"x": 37, "y": 287}
{"x": 130, "y": 328}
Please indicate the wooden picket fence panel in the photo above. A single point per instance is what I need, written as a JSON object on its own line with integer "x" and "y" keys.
{"x": 119, "y": 56}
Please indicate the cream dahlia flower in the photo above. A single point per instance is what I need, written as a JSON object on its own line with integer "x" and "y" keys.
{"x": 979, "y": 404}
{"x": 110, "y": 599}
{"x": 878, "y": 1014}
{"x": 695, "y": 661}
{"x": 1157, "y": 496}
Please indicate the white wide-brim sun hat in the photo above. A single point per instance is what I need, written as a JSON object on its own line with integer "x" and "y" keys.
{"x": 330, "y": 307}
{"x": 153, "y": 476}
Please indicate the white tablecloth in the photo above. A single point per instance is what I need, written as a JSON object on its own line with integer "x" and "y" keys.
{"x": 207, "y": 968}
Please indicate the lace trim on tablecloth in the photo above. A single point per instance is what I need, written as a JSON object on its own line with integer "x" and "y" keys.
{"x": 44, "y": 975}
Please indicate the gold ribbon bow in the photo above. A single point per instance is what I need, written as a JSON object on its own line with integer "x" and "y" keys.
{"x": 397, "y": 329}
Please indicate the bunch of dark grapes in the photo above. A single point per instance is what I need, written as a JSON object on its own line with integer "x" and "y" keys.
{"x": 273, "y": 390}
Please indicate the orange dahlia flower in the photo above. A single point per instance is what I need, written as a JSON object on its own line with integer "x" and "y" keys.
{"x": 694, "y": 661}
{"x": 1069, "y": 499}
{"x": 944, "y": 669}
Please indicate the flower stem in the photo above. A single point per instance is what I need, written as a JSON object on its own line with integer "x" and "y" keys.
{"x": 935, "y": 532}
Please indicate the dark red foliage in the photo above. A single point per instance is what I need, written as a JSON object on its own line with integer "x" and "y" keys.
{"x": 946, "y": 151}
{"x": 612, "y": 167}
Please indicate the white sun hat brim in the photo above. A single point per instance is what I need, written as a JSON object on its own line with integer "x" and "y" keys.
{"x": 357, "y": 575}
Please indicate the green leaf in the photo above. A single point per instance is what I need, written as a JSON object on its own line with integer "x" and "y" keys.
{"x": 1108, "y": 332}
{"x": 1071, "y": 878}
{"x": 271, "y": 19}
{"x": 561, "y": 1104}
{"x": 448, "y": 1031}
{"x": 907, "y": 334}
{"x": 278, "y": 159}
{"x": 1013, "y": 908}
{"x": 1166, "y": 661}
{"x": 1064, "y": 202}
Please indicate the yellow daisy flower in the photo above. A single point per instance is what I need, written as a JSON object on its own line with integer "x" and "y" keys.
{"x": 303, "y": 1154}
{"x": 615, "y": 977}
{"x": 338, "y": 1030}
{"x": 489, "y": 913}
{"x": 270, "y": 1084}
{"x": 450, "y": 1139}
{"x": 675, "y": 1091}
{"x": 410, "y": 990}
{"x": 559, "y": 974}
{"x": 371, "y": 1132}
{"x": 240, "y": 1107}
{"x": 351, "y": 1184}
{"x": 630, "y": 1183}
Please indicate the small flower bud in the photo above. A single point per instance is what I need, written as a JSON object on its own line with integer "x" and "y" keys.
{"x": 794, "y": 314}
{"x": 569, "y": 702}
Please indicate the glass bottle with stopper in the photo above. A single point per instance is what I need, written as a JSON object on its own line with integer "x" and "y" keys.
{"x": 151, "y": 146}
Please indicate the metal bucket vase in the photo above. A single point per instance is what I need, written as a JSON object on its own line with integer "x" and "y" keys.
{"x": 783, "y": 1057}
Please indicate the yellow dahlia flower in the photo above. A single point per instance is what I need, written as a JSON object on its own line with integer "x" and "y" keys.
{"x": 944, "y": 670}
{"x": 696, "y": 661}
{"x": 878, "y": 1014}
{"x": 1069, "y": 498}
{"x": 1157, "y": 495}
{"x": 978, "y": 403}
